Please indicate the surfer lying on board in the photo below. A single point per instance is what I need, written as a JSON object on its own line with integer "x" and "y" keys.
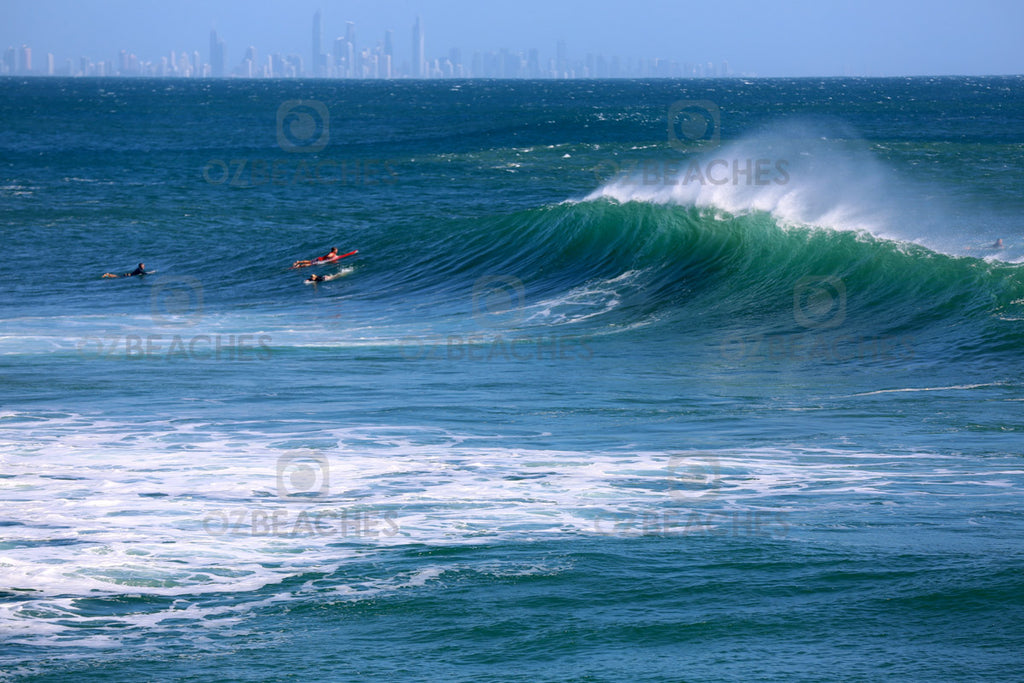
{"x": 329, "y": 256}
{"x": 141, "y": 270}
{"x": 316, "y": 278}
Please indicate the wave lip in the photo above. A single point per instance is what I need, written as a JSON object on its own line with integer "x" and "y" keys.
{"x": 812, "y": 173}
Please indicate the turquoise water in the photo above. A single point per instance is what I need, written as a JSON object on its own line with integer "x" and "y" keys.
{"x": 700, "y": 380}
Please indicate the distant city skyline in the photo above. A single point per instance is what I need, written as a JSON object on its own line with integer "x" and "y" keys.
{"x": 349, "y": 60}
{"x": 599, "y": 37}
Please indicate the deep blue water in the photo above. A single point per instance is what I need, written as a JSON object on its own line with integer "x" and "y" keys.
{"x": 629, "y": 380}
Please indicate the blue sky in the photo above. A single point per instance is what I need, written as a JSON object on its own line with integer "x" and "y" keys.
{"x": 769, "y": 38}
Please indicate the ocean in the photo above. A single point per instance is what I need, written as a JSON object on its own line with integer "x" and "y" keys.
{"x": 654, "y": 380}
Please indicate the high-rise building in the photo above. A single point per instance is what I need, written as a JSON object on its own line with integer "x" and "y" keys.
{"x": 10, "y": 61}
{"x": 26, "y": 59}
{"x": 388, "y": 55}
{"x": 216, "y": 55}
{"x": 184, "y": 65}
{"x": 419, "y": 61}
{"x": 533, "y": 64}
{"x": 345, "y": 59}
{"x": 352, "y": 57}
{"x": 318, "y": 32}
{"x": 350, "y": 33}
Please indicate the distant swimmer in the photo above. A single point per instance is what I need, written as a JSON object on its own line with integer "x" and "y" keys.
{"x": 313, "y": 279}
{"x": 329, "y": 257}
{"x": 141, "y": 270}
{"x": 998, "y": 244}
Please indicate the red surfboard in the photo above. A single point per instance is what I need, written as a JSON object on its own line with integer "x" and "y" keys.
{"x": 322, "y": 261}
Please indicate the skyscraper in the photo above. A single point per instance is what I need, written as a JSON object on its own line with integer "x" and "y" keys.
{"x": 318, "y": 70}
{"x": 419, "y": 62}
{"x": 350, "y": 33}
{"x": 354, "y": 67}
{"x": 26, "y": 59}
{"x": 216, "y": 55}
{"x": 340, "y": 52}
{"x": 250, "y": 65}
{"x": 388, "y": 55}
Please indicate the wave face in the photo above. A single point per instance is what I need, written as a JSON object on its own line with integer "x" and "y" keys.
{"x": 607, "y": 264}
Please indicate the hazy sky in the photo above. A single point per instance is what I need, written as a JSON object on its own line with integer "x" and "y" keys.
{"x": 766, "y": 37}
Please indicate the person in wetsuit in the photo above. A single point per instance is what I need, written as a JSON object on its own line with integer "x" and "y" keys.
{"x": 141, "y": 270}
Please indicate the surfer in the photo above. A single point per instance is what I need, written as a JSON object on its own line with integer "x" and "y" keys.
{"x": 998, "y": 244}
{"x": 313, "y": 279}
{"x": 329, "y": 256}
{"x": 141, "y": 270}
